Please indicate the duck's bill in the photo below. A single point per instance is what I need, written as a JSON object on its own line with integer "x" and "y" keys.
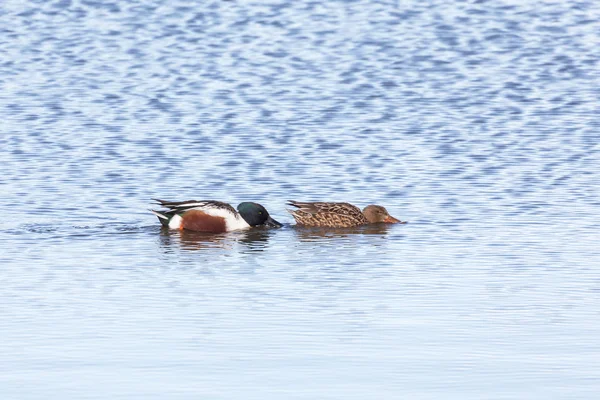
{"x": 271, "y": 223}
{"x": 391, "y": 220}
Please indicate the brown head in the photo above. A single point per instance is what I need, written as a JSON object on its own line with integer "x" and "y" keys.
{"x": 375, "y": 214}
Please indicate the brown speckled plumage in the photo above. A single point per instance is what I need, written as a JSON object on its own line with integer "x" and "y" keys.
{"x": 338, "y": 215}
{"x": 327, "y": 214}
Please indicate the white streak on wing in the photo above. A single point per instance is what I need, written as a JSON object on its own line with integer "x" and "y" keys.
{"x": 159, "y": 215}
{"x": 233, "y": 222}
{"x": 198, "y": 205}
{"x": 175, "y": 222}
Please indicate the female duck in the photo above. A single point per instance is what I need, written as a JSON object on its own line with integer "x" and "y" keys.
{"x": 338, "y": 215}
{"x": 212, "y": 216}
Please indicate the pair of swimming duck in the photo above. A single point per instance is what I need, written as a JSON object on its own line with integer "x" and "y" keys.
{"x": 216, "y": 216}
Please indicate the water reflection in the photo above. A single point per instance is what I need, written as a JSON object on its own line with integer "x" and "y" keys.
{"x": 191, "y": 240}
{"x": 257, "y": 239}
{"x": 254, "y": 239}
{"x": 311, "y": 234}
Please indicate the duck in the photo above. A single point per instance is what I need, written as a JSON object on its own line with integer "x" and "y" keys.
{"x": 338, "y": 215}
{"x": 212, "y": 216}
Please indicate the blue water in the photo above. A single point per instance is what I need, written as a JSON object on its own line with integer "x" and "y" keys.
{"x": 476, "y": 121}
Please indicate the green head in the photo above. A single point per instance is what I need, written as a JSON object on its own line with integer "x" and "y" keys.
{"x": 255, "y": 215}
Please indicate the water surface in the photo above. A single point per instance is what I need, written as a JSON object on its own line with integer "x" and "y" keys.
{"x": 478, "y": 122}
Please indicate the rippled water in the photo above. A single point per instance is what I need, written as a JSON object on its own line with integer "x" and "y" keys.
{"x": 478, "y": 122}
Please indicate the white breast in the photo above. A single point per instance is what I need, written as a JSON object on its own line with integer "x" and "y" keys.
{"x": 175, "y": 222}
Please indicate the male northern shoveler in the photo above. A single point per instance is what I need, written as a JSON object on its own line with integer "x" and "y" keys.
{"x": 338, "y": 215}
{"x": 212, "y": 216}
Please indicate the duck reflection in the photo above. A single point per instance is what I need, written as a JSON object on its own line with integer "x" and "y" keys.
{"x": 311, "y": 233}
{"x": 255, "y": 239}
{"x": 191, "y": 240}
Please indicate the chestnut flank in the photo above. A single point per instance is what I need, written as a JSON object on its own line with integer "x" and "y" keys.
{"x": 196, "y": 220}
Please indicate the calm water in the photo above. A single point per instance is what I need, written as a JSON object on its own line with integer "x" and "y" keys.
{"x": 476, "y": 121}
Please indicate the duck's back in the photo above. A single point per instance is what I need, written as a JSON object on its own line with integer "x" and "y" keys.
{"x": 335, "y": 215}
